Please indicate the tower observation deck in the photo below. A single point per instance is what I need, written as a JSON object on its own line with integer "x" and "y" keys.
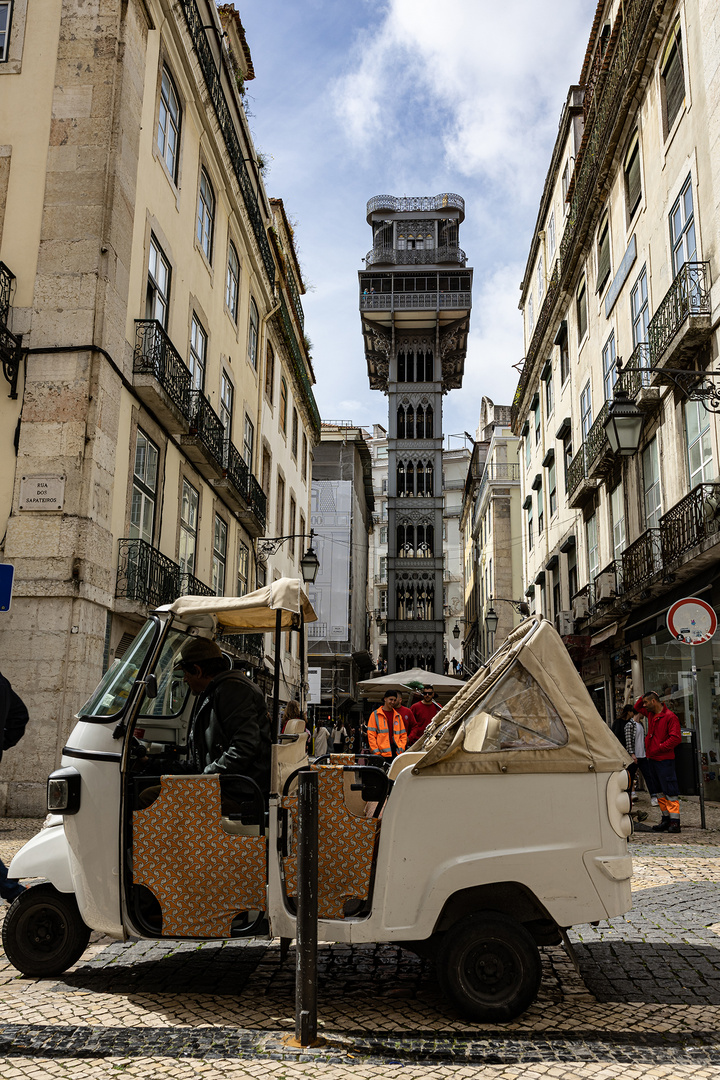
{"x": 415, "y": 300}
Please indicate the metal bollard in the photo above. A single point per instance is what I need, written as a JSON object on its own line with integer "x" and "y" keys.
{"x": 307, "y": 910}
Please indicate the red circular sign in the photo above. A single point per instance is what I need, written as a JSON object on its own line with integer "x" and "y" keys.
{"x": 691, "y": 621}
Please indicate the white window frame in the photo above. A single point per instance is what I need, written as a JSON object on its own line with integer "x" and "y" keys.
{"x": 205, "y": 215}
{"x": 169, "y": 123}
{"x": 144, "y": 488}
{"x": 198, "y": 352}
{"x": 232, "y": 282}
{"x": 220, "y": 531}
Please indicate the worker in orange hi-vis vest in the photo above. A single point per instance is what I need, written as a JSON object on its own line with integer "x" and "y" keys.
{"x": 385, "y": 731}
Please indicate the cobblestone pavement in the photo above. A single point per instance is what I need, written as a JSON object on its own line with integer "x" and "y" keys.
{"x": 644, "y": 1003}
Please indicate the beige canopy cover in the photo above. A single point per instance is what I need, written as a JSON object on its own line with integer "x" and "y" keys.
{"x": 536, "y": 645}
{"x": 251, "y": 613}
{"x": 445, "y": 686}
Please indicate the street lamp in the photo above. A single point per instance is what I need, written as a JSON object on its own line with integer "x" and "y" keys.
{"x": 624, "y": 424}
{"x": 456, "y": 631}
{"x": 309, "y": 564}
{"x": 491, "y": 620}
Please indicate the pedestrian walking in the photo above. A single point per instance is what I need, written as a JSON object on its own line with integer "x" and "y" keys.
{"x": 446, "y": 666}
{"x": 407, "y": 717}
{"x": 386, "y": 731}
{"x": 635, "y": 745}
{"x": 663, "y": 735}
{"x": 322, "y": 736}
{"x": 13, "y": 721}
{"x": 423, "y": 713}
{"x": 339, "y": 735}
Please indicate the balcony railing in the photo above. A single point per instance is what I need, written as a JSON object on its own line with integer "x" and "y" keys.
{"x": 688, "y": 295}
{"x": 632, "y": 382}
{"x": 429, "y": 301}
{"x": 449, "y": 253}
{"x": 299, "y": 364}
{"x": 247, "y": 644}
{"x": 257, "y": 501}
{"x": 642, "y": 560}
{"x": 10, "y": 344}
{"x": 209, "y": 67}
{"x": 239, "y": 475}
{"x": 596, "y": 444}
{"x": 689, "y": 523}
{"x": 206, "y": 425}
{"x": 189, "y": 585}
{"x": 422, "y": 203}
{"x": 145, "y": 574}
{"x": 156, "y": 355}
{"x": 577, "y": 471}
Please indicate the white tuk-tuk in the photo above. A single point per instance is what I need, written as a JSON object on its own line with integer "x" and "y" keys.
{"x": 505, "y": 824}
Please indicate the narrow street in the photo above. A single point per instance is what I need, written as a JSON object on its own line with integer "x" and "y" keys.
{"x": 646, "y": 1002}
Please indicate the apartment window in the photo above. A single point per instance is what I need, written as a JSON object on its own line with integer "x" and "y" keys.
{"x": 383, "y": 603}
{"x": 266, "y": 471}
{"x": 261, "y": 581}
{"x": 528, "y": 450}
{"x": 198, "y": 353}
{"x": 301, "y": 530}
{"x": 283, "y": 406}
{"x": 188, "y": 528}
{"x": 537, "y": 421}
{"x": 682, "y": 229}
{"x": 253, "y": 334}
{"x": 219, "y": 556}
{"x": 280, "y": 506}
{"x": 565, "y": 183}
{"x": 232, "y": 282}
{"x": 639, "y": 309}
{"x": 555, "y": 578}
{"x": 291, "y": 526}
{"x": 585, "y": 410}
{"x": 157, "y": 299}
{"x": 609, "y": 361}
{"x": 603, "y": 253}
{"x": 617, "y": 510}
{"x": 567, "y": 456}
{"x": 699, "y": 448}
{"x": 651, "y": 485}
{"x": 552, "y": 488}
{"x": 248, "y": 441}
{"x": 673, "y": 78}
{"x": 540, "y": 281}
{"x": 206, "y": 215}
{"x": 144, "y": 489}
{"x": 551, "y": 235}
{"x": 168, "y": 134}
{"x": 294, "y": 435}
{"x": 530, "y": 534}
{"x": 530, "y": 315}
{"x": 383, "y": 534}
{"x": 541, "y": 511}
{"x": 383, "y": 567}
{"x": 591, "y": 535}
{"x": 549, "y": 393}
{"x": 243, "y": 565}
{"x": 633, "y": 183}
{"x": 564, "y": 357}
{"x": 572, "y": 572}
{"x": 581, "y": 310}
{"x": 226, "y": 404}
{"x": 269, "y": 373}
{"x": 304, "y": 456}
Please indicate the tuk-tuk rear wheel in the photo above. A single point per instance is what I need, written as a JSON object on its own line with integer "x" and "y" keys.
{"x": 43, "y": 933}
{"x": 488, "y": 966}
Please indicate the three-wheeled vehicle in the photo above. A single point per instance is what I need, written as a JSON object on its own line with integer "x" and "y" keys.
{"x": 505, "y": 824}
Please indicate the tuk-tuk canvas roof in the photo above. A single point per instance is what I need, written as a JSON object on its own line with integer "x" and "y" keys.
{"x": 535, "y": 644}
{"x": 254, "y": 612}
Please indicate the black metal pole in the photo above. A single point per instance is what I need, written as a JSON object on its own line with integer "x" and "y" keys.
{"x": 276, "y": 678}
{"x": 303, "y": 669}
{"x": 307, "y": 910}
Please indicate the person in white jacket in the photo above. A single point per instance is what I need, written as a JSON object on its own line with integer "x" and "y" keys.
{"x": 320, "y": 747}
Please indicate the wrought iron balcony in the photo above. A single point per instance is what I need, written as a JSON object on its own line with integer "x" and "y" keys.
{"x": 579, "y": 482}
{"x": 689, "y": 523}
{"x": 161, "y": 377}
{"x": 189, "y": 585}
{"x": 413, "y": 204}
{"x": 637, "y": 378}
{"x": 242, "y": 492}
{"x": 682, "y": 321}
{"x": 10, "y": 344}
{"x": 504, "y": 474}
{"x": 449, "y": 253}
{"x": 642, "y": 560}
{"x": 145, "y": 574}
{"x": 429, "y": 301}
{"x": 246, "y": 644}
{"x": 597, "y": 447}
{"x": 205, "y": 442}
{"x": 299, "y": 365}
{"x": 257, "y": 501}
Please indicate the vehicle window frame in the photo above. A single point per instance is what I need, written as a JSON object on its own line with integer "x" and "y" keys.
{"x": 115, "y": 717}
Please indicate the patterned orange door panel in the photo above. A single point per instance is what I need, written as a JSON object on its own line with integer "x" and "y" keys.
{"x": 346, "y": 845}
{"x": 201, "y": 876}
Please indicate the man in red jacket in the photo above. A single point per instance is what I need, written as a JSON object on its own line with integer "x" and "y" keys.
{"x": 407, "y": 716}
{"x": 662, "y": 737}
{"x": 423, "y": 712}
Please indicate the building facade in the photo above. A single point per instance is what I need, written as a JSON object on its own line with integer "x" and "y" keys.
{"x": 152, "y": 336}
{"x": 491, "y": 530}
{"x": 623, "y": 264}
{"x": 342, "y": 509}
{"x": 415, "y": 299}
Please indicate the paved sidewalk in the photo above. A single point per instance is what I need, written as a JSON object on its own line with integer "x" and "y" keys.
{"x": 646, "y": 1001}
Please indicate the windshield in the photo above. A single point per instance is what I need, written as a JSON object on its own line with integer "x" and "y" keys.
{"x": 111, "y": 695}
{"x": 172, "y": 690}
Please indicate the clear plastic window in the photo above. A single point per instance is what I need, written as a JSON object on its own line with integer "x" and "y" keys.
{"x": 172, "y": 689}
{"x": 514, "y": 715}
{"x": 114, "y": 689}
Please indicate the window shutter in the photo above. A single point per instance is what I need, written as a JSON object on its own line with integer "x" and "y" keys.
{"x": 674, "y": 82}
{"x": 632, "y": 174}
{"x": 603, "y": 257}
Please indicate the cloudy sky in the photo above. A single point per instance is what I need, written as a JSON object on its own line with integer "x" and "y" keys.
{"x": 411, "y": 97}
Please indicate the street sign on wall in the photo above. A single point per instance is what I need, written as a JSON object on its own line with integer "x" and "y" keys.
{"x": 691, "y": 621}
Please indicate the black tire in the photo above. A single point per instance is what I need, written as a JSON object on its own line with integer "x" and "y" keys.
{"x": 488, "y": 966}
{"x": 43, "y": 933}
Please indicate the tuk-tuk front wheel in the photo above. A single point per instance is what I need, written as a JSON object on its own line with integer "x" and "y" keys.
{"x": 488, "y": 966}
{"x": 43, "y": 933}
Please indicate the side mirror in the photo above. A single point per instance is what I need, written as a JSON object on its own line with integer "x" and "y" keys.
{"x": 151, "y": 686}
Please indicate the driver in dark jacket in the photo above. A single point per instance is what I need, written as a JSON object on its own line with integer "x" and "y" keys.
{"x": 230, "y": 727}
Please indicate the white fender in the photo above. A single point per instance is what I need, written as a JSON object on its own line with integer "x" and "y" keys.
{"x": 46, "y": 856}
